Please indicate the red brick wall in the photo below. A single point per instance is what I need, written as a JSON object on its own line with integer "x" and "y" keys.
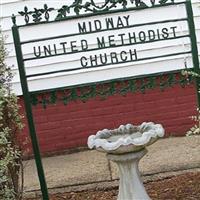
{"x": 60, "y": 127}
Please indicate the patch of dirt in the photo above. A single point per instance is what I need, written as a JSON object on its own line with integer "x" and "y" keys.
{"x": 180, "y": 187}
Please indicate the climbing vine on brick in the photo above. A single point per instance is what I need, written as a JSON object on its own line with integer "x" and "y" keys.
{"x": 104, "y": 90}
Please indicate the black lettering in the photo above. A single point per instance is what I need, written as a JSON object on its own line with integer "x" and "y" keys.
{"x": 173, "y": 29}
{"x": 123, "y": 56}
{"x": 84, "y": 45}
{"x": 142, "y": 36}
{"x": 132, "y": 37}
{"x": 120, "y": 23}
{"x": 39, "y": 52}
{"x": 93, "y": 61}
{"x": 127, "y": 18}
{"x": 47, "y": 50}
{"x": 97, "y": 24}
{"x": 82, "y": 28}
{"x": 90, "y": 26}
{"x": 111, "y": 40}
{"x": 105, "y": 59}
{"x": 122, "y": 37}
{"x": 113, "y": 56}
{"x": 63, "y": 46}
{"x": 109, "y": 23}
{"x": 73, "y": 45}
{"x": 165, "y": 33}
{"x": 152, "y": 35}
{"x": 133, "y": 54}
{"x": 55, "y": 50}
{"x": 158, "y": 34}
{"x": 101, "y": 42}
{"x": 84, "y": 62}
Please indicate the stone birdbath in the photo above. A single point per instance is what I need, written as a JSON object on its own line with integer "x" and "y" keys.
{"x": 125, "y": 146}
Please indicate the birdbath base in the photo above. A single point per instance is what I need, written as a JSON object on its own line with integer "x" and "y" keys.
{"x": 130, "y": 185}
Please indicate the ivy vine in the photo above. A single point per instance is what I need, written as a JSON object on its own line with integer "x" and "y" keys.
{"x": 104, "y": 90}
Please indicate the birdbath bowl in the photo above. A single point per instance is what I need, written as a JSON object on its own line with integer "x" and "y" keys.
{"x": 126, "y": 146}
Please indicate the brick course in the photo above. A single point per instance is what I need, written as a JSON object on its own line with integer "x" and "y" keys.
{"x": 60, "y": 127}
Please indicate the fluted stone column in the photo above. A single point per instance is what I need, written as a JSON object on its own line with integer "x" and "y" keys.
{"x": 130, "y": 186}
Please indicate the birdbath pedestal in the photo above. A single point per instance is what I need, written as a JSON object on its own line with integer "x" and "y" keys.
{"x": 130, "y": 185}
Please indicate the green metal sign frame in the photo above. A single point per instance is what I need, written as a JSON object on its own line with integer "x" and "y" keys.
{"x": 42, "y": 16}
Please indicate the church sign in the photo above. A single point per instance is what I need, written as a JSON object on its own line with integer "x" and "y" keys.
{"x": 96, "y": 35}
{"x": 113, "y": 33}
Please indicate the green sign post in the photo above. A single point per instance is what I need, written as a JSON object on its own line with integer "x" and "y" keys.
{"x": 29, "y": 113}
{"x": 97, "y": 58}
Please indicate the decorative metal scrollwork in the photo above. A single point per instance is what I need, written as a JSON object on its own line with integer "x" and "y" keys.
{"x": 92, "y": 7}
{"x": 80, "y": 6}
{"x": 37, "y": 14}
{"x": 26, "y": 14}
